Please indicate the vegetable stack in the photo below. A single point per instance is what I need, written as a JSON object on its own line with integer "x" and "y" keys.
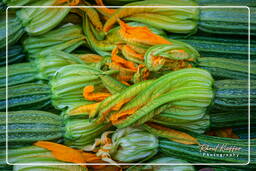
{"x": 93, "y": 87}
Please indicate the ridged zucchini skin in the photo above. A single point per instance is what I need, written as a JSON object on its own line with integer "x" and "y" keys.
{"x": 15, "y": 55}
{"x": 18, "y": 74}
{"x": 29, "y": 126}
{"x": 223, "y": 47}
{"x": 195, "y": 154}
{"x": 230, "y": 119}
{"x": 15, "y": 30}
{"x": 250, "y": 3}
{"x": 231, "y": 21}
{"x": 26, "y": 96}
{"x": 222, "y": 68}
{"x": 232, "y": 95}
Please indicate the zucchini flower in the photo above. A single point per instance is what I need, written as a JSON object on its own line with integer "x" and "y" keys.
{"x": 126, "y": 145}
{"x": 133, "y": 144}
{"x": 66, "y": 38}
{"x": 38, "y": 21}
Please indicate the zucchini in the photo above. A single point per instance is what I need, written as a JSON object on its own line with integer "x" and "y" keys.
{"x": 222, "y": 68}
{"x": 29, "y": 126}
{"x": 199, "y": 154}
{"x": 224, "y": 47}
{"x": 232, "y": 95}
{"x": 15, "y": 30}
{"x": 230, "y": 119}
{"x": 26, "y": 96}
{"x": 231, "y": 21}
{"x": 15, "y": 55}
{"x": 18, "y": 74}
{"x": 250, "y": 3}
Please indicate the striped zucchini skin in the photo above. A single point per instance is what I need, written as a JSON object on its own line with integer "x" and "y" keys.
{"x": 15, "y": 55}
{"x": 28, "y": 126}
{"x": 232, "y": 95}
{"x": 232, "y": 21}
{"x": 15, "y": 30}
{"x": 230, "y": 119}
{"x": 26, "y": 96}
{"x": 18, "y": 74}
{"x": 250, "y": 3}
{"x": 193, "y": 154}
{"x": 222, "y": 68}
{"x": 224, "y": 47}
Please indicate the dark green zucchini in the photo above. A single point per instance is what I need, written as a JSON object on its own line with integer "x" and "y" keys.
{"x": 230, "y": 119}
{"x": 223, "y": 47}
{"x": 15, "y": 55}
{"x": 222, "y": 68}
{"x": 231, "y": 21}
{"x": 15, "y": 30}
{"x": 29, "y": 126}
{"x": 212, "y": 154}
{"x": 26, "y": 96}
{"x": 18, "y": 74}
{"x": 232, "y": 95}
{"x": 250, "y": 3}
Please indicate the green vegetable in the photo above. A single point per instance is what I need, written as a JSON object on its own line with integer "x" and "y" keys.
{"x": 38, "y": 21}
{"x": 66, "y": 38}
{"x": 15, "y": 29}
{"x": 17, "y": 2}
{"x": 18, "y": 74}
{"x": 28, "y": 126}
{"x": 223, "y": 47}
{"x": 232, "y": 95}
{"x": 15, "y": 55}
{"x": 26, "y": 96}
{"x": 232, "y": 21}
{"x": 133, "y": 144}
{"x": 200, "y": 153}
{"x": 222, "y": 68}
{"x": 81, "y": 132}
{"x": 36, "y": 156}
{"x": 164, "y": 160}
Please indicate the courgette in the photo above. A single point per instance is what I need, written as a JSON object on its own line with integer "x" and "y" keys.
{"x": 223, "y": 47}
{"x": 232, "y": 95}
{"x": 29, "y": 126}
{"x": 15, "y": 30}
{"x": 18, "y": 74}
{"x": 15, "y": 55}
{"x": 26, "y": 96}
{"x": 231, "y": 21}
{"x": 222, "y": 68}
{"x": 212, "y": 150}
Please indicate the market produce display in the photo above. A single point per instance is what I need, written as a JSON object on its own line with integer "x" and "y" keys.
{"x": 165, "y": 86}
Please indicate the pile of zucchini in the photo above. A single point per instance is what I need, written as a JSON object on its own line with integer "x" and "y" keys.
{"x": 163, "y": 87}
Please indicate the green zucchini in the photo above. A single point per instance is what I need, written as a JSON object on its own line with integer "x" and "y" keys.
{"x": 15, "y": 55}
{"x": 222, "y": 68}
{"x": 29, "y": 126}
{"x": 230, "y": 119}
{"x": 224, "y": 47}
{"x": 15, "y": 30}
{"x": 200, "y": 154}
{"x": 250, "y": 3}
{"x": 232, "y": 95}
{"x": 231, "y": 21}
{"x": 26, "y": 96}
{"x": 18, "y": 74}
